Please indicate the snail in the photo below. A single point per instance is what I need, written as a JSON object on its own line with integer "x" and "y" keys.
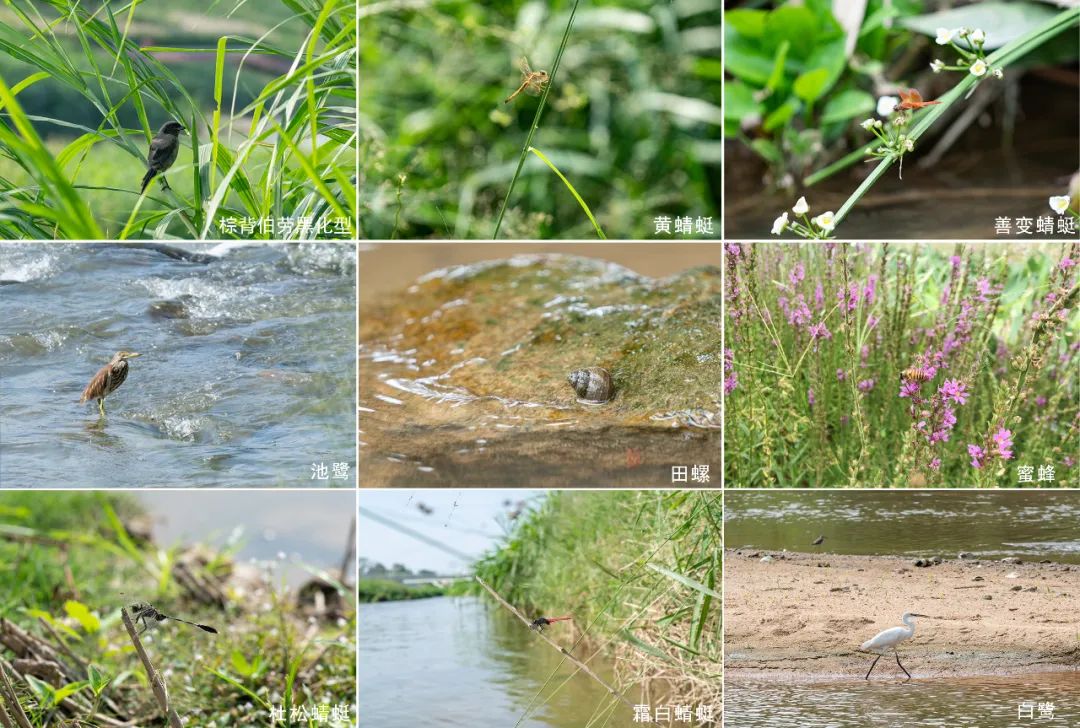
{"x": 593, "y": 385}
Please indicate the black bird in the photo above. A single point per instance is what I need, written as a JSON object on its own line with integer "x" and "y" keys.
{"x": 163, "y": 149}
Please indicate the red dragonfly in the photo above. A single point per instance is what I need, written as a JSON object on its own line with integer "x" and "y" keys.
{"x": 540, "y": 622}
{"x": 913, "y": 100}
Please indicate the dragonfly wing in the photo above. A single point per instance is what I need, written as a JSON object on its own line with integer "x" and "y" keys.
{"x": 523, "y": 64}
{"x": 533, "y": 88}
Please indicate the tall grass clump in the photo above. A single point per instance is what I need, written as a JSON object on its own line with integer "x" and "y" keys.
{"x": 278, "y": 165}
{"x": 901, "y": 365}
{"x": 640, "y": 573}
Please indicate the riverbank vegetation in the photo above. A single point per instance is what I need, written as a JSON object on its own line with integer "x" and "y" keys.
{"x": 70, "y": 561}
{"x": 639, "y": 571}
{"x": 265, "y": 93}
{"x": 388, "y": 590}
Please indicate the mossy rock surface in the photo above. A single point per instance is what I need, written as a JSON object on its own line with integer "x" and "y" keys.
{"x": 482, "y": 352}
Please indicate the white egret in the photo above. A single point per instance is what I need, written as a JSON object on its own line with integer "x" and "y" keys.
{"x": 891, "y": 638}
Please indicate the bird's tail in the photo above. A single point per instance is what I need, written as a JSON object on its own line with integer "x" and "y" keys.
{"x": 146, "y": 179}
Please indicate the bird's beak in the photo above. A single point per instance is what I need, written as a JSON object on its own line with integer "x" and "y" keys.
{"x": 132, "y": 355}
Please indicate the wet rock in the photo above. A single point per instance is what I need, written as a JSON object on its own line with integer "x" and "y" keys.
{"x": 1011, "y": 560}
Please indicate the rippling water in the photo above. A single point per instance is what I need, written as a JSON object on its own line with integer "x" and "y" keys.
{"x": 451, "y": 661}
{"x": 988, "y": 702}
{"x": 987, "y": 525}
{"x": 247, "y": 373}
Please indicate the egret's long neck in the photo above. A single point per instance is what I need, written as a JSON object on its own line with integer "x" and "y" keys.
{"x": 910, "y": 622}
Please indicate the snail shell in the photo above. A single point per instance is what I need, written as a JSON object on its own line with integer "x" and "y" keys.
{"x": 592, "y": 384}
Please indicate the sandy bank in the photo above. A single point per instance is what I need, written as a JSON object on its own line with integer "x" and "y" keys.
{"x": 803, "y": 616}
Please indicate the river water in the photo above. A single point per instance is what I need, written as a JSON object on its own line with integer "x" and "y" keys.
{"x": 989, "y": 525}
{"x": 453, "y": 661}
{"x": 985, "y": 702}
{"x": 246, "y": 375}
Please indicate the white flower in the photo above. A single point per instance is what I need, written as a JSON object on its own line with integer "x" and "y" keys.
{"x": 998, "y": 73}
{"x": 869, "y": 124}
{"x": 886, "y": 105}
{"x": 878, "y": 124}
{"x": 977, "y": 36}
{"x": 963, "y": 32}
{"x": 1060, "y": 204}
{"x": 944, "y": 36}
{"x": 978, "y": 68}
{"x": 909, "y": 145}
{"x": 779, "y": 224}
{"x": 801, "y": 208}
{"x": 937, "y": 66}
{"x": 825, "y": 221}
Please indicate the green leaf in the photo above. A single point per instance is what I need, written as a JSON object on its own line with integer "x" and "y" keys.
{"x": 739, "y": 101}
{"x": 846, "y": 105}
{"x": 777, "y": 75}
{"x": 767, "y": 150}
{"x": 1002, "y": 22}
{"x": 98, "y": 680}
{"x": 795, "y": 24}
{"x": 82, "y": 614}
{"x": 750, "y": 23}
{"x": 643, "y": 646}
{"x": 240, "y": 664}
{"x": 810, "y": 85}
{"x": 745, "y": 59}
{"x": 685, "y": 581}
{"x": 780, "y": 116}
{"x": 69, "y": 689}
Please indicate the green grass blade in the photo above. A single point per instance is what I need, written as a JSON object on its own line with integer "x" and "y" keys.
{"x": 573, "y": 191}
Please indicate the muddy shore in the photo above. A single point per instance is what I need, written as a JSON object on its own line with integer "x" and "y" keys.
{"x": 802, "y": 617}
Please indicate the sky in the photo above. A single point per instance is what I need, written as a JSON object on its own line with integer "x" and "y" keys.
{"x": 447, "y": 539}
{"x": 311, "y": 527}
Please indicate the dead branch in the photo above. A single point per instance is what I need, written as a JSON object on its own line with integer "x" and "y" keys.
{"x": 157, "y": 683}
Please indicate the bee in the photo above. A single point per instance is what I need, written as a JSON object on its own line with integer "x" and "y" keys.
{"x": 917, "y": 374}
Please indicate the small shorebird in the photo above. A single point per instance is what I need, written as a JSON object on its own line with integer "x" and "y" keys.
{"x": 108, "y": 378}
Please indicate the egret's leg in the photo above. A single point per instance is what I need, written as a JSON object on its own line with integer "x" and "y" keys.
{"x": 872, "y": 666}
{"x": 901, "y": 666}
{"x": 101, "y": 406}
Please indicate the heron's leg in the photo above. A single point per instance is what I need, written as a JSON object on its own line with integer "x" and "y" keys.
{"x": 872, "y": 666}
{"x": 901, "y": 666}
{"x": 101, "y": 406}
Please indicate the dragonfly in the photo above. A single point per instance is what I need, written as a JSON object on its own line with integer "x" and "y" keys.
{"x": 913, "y": 100}
{"x": 532, "y": 82}
{"x": 150, "y": 617}
{"x": 539, "y": 623}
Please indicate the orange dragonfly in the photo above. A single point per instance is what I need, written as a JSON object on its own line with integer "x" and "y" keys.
{"x": 532, "y": 82}
{"x": 913, "y": 100}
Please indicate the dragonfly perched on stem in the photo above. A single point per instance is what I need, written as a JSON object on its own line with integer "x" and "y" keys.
{"x": 532, "y": 82}
{"x": 150, "y": 617}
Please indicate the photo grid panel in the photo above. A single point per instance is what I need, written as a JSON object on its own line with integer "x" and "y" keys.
{"x": 901, "y": 364}
{"x": 591, "y": 371}
{"x": 178, "y": 377}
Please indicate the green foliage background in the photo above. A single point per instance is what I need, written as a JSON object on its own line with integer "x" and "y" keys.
{"x": 266, "y": 91}
{"x": 633, "y": 117}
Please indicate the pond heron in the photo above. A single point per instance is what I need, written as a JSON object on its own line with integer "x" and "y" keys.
{"x": 108, "y": 379}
